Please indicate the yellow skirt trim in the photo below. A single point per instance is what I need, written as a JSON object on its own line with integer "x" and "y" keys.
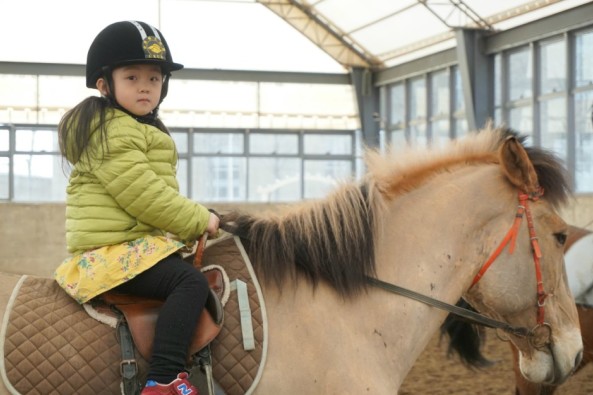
{"x": 93, "y": 272}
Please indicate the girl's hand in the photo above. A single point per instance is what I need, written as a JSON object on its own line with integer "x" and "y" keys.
{"x": 213, "y": 222}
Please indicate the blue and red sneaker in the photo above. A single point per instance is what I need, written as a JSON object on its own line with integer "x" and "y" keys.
{"x": 179, "y": 386}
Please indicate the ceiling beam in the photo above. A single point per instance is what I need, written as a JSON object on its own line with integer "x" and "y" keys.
{"x": 482, "y": 22}
{"x": 323, "y": 33}
{"x": 455, "y": 8}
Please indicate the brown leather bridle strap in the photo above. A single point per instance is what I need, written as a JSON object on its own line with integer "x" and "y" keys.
{"x": 200, "y": 250}
{"x": 511, "y": 238}
{"x": 537, "y": 254}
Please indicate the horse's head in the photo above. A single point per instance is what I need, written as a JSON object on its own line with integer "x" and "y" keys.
{"x": 522, "y": 281}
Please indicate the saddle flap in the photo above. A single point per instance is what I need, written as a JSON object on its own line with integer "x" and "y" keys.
{"x": 142, "y": 318}
{"x": 215, "y": 279}
{"x": 141, "y": 315}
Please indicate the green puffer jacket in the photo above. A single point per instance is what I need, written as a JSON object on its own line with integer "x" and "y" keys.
{"x": 128, "y": 190}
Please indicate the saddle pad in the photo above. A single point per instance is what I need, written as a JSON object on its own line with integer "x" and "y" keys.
{"x": 237, "y": 370}
{"x": 52, "y": 346}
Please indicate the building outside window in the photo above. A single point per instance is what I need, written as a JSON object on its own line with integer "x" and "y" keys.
{"x": 583, "y": 108}
{"x": 256, "y": 142}
{"x": 425, "y": 110}
{"x": 548, "y": 96}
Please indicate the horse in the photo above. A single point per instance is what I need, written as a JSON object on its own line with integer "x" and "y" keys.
{"x": 466, "y": 340}
{"x": 426, "y": 221}
{"x": 441, "y": 222}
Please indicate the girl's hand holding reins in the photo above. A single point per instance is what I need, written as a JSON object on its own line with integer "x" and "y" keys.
{"x": 213, "y": 222}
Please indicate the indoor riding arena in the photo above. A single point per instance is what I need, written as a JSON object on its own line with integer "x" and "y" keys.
{"x": 343, "y": 145}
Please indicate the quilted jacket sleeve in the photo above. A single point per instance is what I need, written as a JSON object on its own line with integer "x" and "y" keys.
{"x": 130, "y": 176}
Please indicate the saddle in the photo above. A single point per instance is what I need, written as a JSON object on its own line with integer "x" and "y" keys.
{"x": 141, "y": 315}
{"x": 137, "y": 317}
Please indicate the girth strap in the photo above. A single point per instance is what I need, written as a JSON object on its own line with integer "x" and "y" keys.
{"x": 129, "y": 366}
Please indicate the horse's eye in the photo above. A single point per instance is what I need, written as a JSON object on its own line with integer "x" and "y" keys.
{"x": 560, "y": 237}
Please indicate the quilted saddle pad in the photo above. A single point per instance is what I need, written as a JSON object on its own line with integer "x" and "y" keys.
{"x": 50, "y": 345}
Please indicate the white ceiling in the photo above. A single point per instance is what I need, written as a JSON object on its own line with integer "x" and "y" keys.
{"x": 320, "y": 36}
{"x": 388, "y": 32}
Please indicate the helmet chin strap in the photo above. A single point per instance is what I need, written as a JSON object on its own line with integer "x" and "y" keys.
{"x": 149, "y": 119}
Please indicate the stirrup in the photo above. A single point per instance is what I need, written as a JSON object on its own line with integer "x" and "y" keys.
{"x": 202, "y": 373}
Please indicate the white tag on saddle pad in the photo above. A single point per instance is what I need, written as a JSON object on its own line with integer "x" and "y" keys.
{"x": 245, "y": 312}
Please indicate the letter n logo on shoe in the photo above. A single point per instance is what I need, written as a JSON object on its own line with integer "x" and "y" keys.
{"x": 184, "y": 389}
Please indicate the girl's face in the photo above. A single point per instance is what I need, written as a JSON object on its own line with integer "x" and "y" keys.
{"x": 137, "y": 87}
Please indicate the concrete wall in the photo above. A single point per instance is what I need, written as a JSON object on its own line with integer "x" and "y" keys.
{"x": 32, "y": 237}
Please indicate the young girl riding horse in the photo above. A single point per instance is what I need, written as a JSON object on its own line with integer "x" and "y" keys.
{"x": 123, "y": 200}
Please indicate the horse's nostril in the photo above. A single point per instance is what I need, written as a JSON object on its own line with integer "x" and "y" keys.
{"x": 578, "y": 359}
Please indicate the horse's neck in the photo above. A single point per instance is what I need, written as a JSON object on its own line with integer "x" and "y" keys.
{"x": 409, "y": 325}
{"x": 313, "y": 330}
{"x": 431, "y": 244}
{"x": 424, "y": 244}
{"x": 432, "y": 239}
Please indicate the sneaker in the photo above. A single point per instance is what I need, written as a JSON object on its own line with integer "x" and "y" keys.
{"x": 179, "y": 386}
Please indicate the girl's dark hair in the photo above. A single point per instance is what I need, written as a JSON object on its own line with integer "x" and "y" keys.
{"x": 87, "y": 117}
{"x": 76, "y": 127}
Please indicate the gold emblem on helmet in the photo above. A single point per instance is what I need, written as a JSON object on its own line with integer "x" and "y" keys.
{"x": 153, "y": 48}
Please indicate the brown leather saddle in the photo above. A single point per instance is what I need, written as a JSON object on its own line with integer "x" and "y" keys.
{"x": 141, "y": 313}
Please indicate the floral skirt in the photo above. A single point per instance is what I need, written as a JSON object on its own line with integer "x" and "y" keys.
{"x": 93, "y": 272}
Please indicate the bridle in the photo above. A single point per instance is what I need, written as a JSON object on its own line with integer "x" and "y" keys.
{"x": 511, "y": 237}
{"x": 540, "y": 335}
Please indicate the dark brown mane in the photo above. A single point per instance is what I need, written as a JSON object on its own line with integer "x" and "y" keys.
{"x": 332, "y": 239}
{"x": 552, "y": 175}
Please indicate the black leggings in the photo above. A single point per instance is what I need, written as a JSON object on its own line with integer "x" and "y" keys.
{"x": 184, "y": 289}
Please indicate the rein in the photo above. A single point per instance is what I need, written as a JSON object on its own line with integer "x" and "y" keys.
{"x": 481, "y": 319}
{"x": 469, "y": 315}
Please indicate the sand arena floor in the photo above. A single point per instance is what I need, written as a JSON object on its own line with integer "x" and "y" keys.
{"x": 434, "y": 373}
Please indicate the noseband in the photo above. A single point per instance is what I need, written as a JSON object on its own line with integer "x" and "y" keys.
{"x": 540, "y": 335}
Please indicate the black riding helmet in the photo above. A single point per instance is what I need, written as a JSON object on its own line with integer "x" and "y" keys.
{"x": 128, "y": 42}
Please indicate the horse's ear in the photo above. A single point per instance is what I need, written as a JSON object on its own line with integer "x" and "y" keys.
{"x": 517, "y": 166}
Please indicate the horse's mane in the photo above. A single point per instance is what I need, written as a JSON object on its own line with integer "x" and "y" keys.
{"x": 329, "y": 239}
{"x": 465, "y": 339}
{"x": 407, "y": 170}
{"x": 332, "y": 239}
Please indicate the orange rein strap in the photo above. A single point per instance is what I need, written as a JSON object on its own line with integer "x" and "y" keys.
{"x": 511, "y": 237}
